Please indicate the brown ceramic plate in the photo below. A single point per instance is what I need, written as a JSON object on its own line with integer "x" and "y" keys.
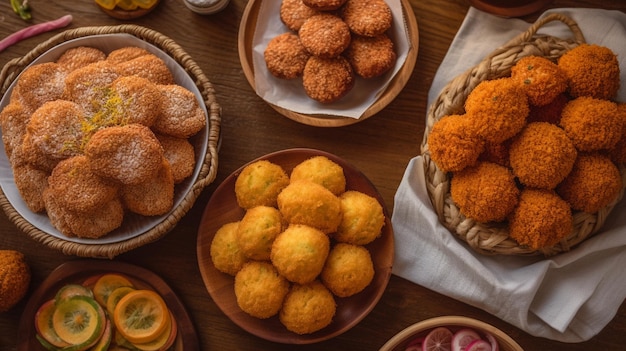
{"x": 222, "y": 208}
{"x": 77, "y": 272}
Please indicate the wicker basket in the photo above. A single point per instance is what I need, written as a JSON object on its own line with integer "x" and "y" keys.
{"x": 493, "y": 238}
{"x": 208, "y": 168}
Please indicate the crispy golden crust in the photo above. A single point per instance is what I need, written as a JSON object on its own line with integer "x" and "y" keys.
{"x": 454, "y": 144}
{"x": 308, "y": 308}
{"x": 129, "y": 154}
{"x": 325, "y": 35}
{"x": 30, "y": 154}
{"x": 540, "y": 220}
{"x": 592, "y": 124}
{"x": 147, "y": 66}
{"x": 593, "y": 183}
{"x": 225, "y": 252}
{"x": 180, "y": 154}
{"x": 126, "y": 54}
{"x": 371, "y": 56}
{"x": 259, "y": 183}
{"x": 542, "y": 155}
{"x": 135, "y": 99}
{"x": 348, "y": 269}
{"x": 15, "y": 278}
{"x": 293, "y": 13}
{"x": 257, "y": 230}
{"x": 79, "y": 57}
{"x": 541, "y": 79}
{"x": 321, "y": 170}
{"x": 498, "y": 108}
{"x": 153, "y": 197}
{"x": 362, "y": 220}
{"x": 181, "y": 115}
{"x": 486, "y": 192}
{"x": 324, "y": 5}
{"x": 327, "y": 80}
{"x": 260, "y": 290}
{"x": 367, "y": 17}
{"x": 285, "y": 56}
{"x": 311, "y": 204}
{"x": 591, "y": 70}
{"x": 87, "y": 86}
{"x": 13, "y": 121}
{"x": 31, "y": 183}
{"x": 38, "y": 84}
{"x": 299, "y": 253}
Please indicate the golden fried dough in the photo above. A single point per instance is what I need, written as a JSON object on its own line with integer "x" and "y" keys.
{"x": 362, "y": 220}
{"x": 348, "y": 270}
{"x": 181, "y": 115}
{"x": 285, "y": 56}
{"x": 78, "y": 57}
{"x": 308, "y": 203}
{"x": 225, "y": 252}
{"x": 259, "y": 183}
{"x": 180, "y": 154}
{"x": 321, "y": 170}
{"x": 147, "y": 66}
{"x": 135, "y": 99}
{"x": 259, "y": 289}
{"x": 257, "y": 230}
{"x": 299, "y": 253}
{"x": 38, "y": 84}
{"x": 152, "y": 197}
{"x": 13, "y": 121}
{"x": 308, "y": 308}
{"x": 126, "y": 54}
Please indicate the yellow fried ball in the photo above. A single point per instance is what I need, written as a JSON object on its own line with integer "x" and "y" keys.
{"x": 362, "y": 220}
{"x": 308, "y": 203}
{"x": 299, "y": 253}
{"x": 259, "y": 184}
{"x": 348, "y": 270}
{"x": 321, "y": 170}
{"x": 226, "y": 255}
{"x": 308, "y": 308}
{"x": 257, "y": 230}
{"x": 259, "y": 289}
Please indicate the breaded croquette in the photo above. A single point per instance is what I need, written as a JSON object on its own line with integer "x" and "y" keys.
{"x": 367, "y": 17}
{"x": 486, "y": 192}
{"x": 592, "y": 70}
{"x": 541, "y": 219}
{"x": 540, "y": 78}
{"x": 362, "y": 220}
{"x": 259, "y": 183}
{"x": 322, "y": 170}
{"x": 285, "y": 56}
{"x": 299, "y": 253}
{"x": 454, "y": 144}
{"x": 348, "y": 270}
{"x": 308, "y": 203}
{"x": 325, "y": 35}
{"x": 259, "y": 289}
{"x": 15, "y": 276}
{"x": 592, "y": 124}
{"x": 327, "y": 80}
{"x": 308, "y": 308}
{"x": 257, "y": 230}
{"x": 293, "y": 13}
{"x": 371, "y": 56}
{"x": 225, "y": 252}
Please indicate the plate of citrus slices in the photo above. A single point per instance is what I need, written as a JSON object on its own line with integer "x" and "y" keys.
{"x": 107, "y": 304}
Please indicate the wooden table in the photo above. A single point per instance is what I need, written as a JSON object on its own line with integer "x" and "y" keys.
{"x": 380, "y": 146}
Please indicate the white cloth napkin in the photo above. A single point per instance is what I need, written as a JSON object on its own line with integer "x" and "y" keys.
{"x": 570, "y": 297}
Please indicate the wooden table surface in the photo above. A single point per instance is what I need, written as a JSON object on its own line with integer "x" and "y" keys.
{"x": 380, "y": 146}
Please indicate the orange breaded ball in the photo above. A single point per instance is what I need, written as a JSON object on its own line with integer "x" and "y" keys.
{"x": 259, "y": 289}
{"x": 486, "y": 192}
{"x": 362, "y": 220}
{"x": 15, "y": 278}
{"x": 257, "y": 230}
{"x": 308, "y": 203}
{"x": 308, "y": 308}
{"x": 225, "y": 252}
{"x": 540, "y": 78}
{"x": 299, "y": 253}
{"x": 259, "y": 183}
{"x": 594, "y": 183}
{"x": 592, "y": 124}
{"x": 498, "y": 109}
{"x": 542, "y": 155}
{"x": 321, "y": 170}
{"x": 541, "y": 219}
{"x": 348, "y": 270}
{"x": 453, "y": 143}
{"x": 591, "y": 70}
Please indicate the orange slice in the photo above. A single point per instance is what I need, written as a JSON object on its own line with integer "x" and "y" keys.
{"x": 141, "y": 316}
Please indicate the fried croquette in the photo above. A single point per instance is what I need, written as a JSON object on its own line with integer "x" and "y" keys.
{"x": 225, "y": 252}
{"x": 181, "y": 115}
{"x": 180, "y": 154}
{"x": 618, "y": 152}
{"x": 348, "y": 269}
{"x": 259, "y": 183}
{"x": 153, "y": 197}
{"x": 78, "y": 57}
{"x": 486, "y": 192}
{"x": 367, "y": 17}
{"x": 76, "y": 187}
{"x": 327, "y": 80}
{"x": 285, "y": 56}
{"x": 132, "y": 100}
{"x": 595, "y": 182}
{"x": 324, "y": 5}
{"x": 322, "y": 170}
{"x": 371, "y": 56}
{"x": 592, "y": 124}
{"x": 293, "y": 13}
{"x": 362, "y": 220}
{"x": 325, "y": 35}
{"x": 541, "y": 219}
{"x": 551, "y": 112}
{"x": 13, "y": 121}
{"x": 453, "y": 144}
{"x": 130, "y": 154}
{"x": 259, "y": 289}
{"x": 147, "y": 66}
{"x": 299, "y": 253}
{"x": 308, "y": 203}
{"x": 542, "y": 155}
{"x": 541, "y": 79}
{"x": 257, "y": 230}
{"x": 39, "y": 84}
{"x": 15, "y": 278}
{"x": 126, "y": 54}
{"x": 308, "y": 308}
{"x": 592, "y": 70}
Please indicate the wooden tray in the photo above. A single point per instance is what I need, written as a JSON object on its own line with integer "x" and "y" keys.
{"x": 246, "y": 36}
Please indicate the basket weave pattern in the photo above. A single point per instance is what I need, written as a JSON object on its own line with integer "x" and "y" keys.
{"x": 208, "y": 170}
{"x": 493, "y": 238}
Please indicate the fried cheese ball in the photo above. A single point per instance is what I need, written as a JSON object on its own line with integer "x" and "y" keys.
{"x": 591, "y": 70}
{"x": 595, "y": 182}
{"x": 592, "y": 124}
{"x": 541, "y": 219}
{"x": 259, "y": 183}
{"x": 180, "y": 114}
{"x": 325, "y": 35}
{"x": 362, "y": 220}
{"x": 485, "y": 192}
{"x": 129, "y": 154}
{"x": 147, "y": 66}
{"x": 348, "y": 270}
{"x": 453, "y": 143}
{"x": 542, "y": 155}
{"x": 321, "y": 170}
{"x": 293, "y": 13}
{"x": 371, "y": 56}
{"x": 308, "y": 308}
{"x": 541, "y": 79}
{"x": 132, "y": 100}
{"x": 226, "y": 255}
{"x": 327, "y": 80}
{"x": 39, "y": 84}
{"x": 259, "y": 289}
{"x": 299, "y": 253}
{"x": 78, "y": 57}
{"x": 498, "y": 108}
{"x": 15, "y": 278}
{"x": 257, "y": 230}
{"x": 308, "y": 203}
{"x": 285, "y": 56}
{"x": 367, "y": 17}
{"x": 180, "y": 154}
{"x": 153, "y": 197}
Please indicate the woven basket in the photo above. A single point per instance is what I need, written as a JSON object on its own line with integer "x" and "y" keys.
{"x": 493, "y": 238}
{"x": 208, "y": 168}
